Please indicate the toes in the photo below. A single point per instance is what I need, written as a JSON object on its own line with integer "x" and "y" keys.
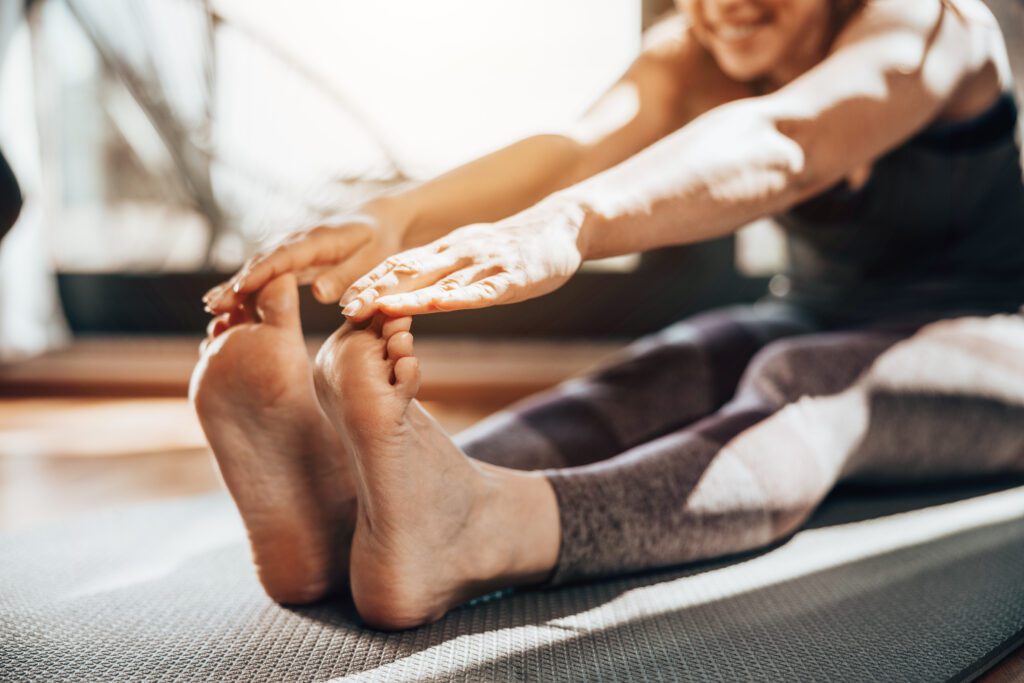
{"x": 393, "y": 326}
{"x": 278, "y": 302}
{"x": 407, "y": 376}
{"x": 218, "y": 325}
{"x": 400, "y": 346}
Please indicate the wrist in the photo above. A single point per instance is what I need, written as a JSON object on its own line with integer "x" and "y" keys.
{"x": 393, "y": 216}
{"x": 573, "y": 215}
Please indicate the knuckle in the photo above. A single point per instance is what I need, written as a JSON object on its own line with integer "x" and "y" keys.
{"x": 516, "y": 278}
{"x": 254, "y": 263}
{"x": 389, "y": 280}
{"x": 408, "y": 266}
{"x": 489, "y": 288}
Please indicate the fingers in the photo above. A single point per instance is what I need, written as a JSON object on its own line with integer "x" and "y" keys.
{"x": 222, "y": 299}
{"x": 489, "y": 291}
{"x": 307, "y": 249}
{"x": 329, "y": 285}
{"x": 404, "y": 272}
{"x": 317, "y": 246}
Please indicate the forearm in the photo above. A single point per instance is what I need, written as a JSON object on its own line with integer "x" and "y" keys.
{"x": 708, "y": 179}
{"x": 484, "y": 190}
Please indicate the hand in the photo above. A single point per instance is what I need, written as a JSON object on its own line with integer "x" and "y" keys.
{"x": 330, "y": 257}
{"x": 518, "y": 258}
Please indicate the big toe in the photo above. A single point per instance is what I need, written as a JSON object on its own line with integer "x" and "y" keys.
{"x": 278, "y": 302}
{"x": 407, "y": 377}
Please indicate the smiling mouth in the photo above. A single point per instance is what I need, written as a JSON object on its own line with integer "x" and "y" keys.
{"x": 733, "y": 33}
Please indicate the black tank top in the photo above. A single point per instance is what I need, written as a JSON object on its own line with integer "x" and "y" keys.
{"x": 937, "y": 230}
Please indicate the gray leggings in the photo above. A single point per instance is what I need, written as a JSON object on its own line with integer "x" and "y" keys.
{"x": 638, "y": 452}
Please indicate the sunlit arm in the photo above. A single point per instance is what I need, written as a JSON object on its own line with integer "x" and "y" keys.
{"x": 887, "y": 78}
{"x": 895, "y": 68}
{"x": 643, "y": 106}
{"x": 724, "y": 169}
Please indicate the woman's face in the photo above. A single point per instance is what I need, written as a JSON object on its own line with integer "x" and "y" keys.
{"x": 753, "y": 39}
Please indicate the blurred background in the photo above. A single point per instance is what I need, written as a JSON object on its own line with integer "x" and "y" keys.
{"x": 159, "y": 143}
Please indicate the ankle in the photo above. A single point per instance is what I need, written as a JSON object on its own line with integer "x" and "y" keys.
{"x": 520, "y": 530}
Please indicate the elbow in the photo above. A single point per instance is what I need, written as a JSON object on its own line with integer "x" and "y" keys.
{"x": 792, "y": 163}
{"x": 789, "y": 151}
{"x": 764, "y": 159}
{"x": 807, "y": 171}
{"x": 565, "y": 157}
{"x": 797, "y": 145}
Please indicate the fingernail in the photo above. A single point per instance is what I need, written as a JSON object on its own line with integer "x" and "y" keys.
{"x": 237, "y": 287}
{"x": 352, "y": 309}
{"x": 213, "y": 292}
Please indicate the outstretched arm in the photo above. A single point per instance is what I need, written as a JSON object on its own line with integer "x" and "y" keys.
{"x": 643, "y": 106}
{"x": 895, "y": 68}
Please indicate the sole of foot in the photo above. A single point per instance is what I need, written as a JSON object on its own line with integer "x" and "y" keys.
{"x": 434, "y": 528}
{"x": 280, "y": 458}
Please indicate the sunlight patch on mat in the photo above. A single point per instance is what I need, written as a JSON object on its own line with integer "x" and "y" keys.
{"x": 809, "y": 552}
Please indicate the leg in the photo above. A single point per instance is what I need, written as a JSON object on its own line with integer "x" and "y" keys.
{"x": 658, "y": 385}
{"x": 946, "y": 403}
{"x": 282, "y": 461}
{"x": 700, "y": 492}
{"x": 435, "y": 527}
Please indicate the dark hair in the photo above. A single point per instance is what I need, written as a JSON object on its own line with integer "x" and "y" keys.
{"x": 842, "y": 10}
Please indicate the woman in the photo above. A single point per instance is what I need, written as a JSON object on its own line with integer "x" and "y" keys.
{"x": 882, "y": 134}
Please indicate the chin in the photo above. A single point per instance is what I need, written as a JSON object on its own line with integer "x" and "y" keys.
{"x": 743, "y": 70}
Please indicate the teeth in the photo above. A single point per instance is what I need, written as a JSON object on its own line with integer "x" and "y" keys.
{"x": 735, "y": 32}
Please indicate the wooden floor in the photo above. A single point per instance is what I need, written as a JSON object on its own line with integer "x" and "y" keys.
{"x": 106, "y": 422}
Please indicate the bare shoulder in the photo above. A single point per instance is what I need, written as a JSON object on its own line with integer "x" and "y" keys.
{"x": 945, "y": 36}
{"x": 685, "y": 69}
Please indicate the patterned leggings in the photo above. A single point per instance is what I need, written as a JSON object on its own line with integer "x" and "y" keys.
{"x": 654, "y": 460}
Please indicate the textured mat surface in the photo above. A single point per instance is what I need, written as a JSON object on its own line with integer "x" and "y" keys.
{"x": 912, "y": 588}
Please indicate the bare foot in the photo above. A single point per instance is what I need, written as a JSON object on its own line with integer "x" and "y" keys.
{"x": 282, "y": 461}
{"x": 434, "y": 528}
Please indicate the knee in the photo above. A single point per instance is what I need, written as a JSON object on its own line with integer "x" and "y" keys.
{"x": 771, "y": 373}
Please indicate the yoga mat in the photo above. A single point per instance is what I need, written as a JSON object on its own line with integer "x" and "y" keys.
{"x": 911, "y": 586}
